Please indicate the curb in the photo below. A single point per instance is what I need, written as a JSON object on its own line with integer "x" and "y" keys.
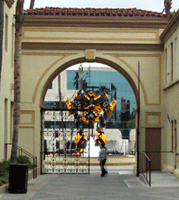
{"x": 3, "y": 188}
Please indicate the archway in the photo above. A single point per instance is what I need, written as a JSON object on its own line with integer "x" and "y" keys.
{"x": 49, "y": 48}
{"x": 123, "y": 114}
{"x": 133, "y": 83}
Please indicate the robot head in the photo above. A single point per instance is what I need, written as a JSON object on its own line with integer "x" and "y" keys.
{"x": 91, "y": 94}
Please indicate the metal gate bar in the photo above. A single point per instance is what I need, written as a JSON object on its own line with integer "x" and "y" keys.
{"x": 58, "y": 129}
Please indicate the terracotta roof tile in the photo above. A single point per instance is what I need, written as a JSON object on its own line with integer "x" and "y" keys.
{"x": 101, "y": 12}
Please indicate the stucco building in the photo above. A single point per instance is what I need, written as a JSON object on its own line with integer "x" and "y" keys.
{"x": 7, "y": 76}
{"x": 57, "y": 38}
{"x": 170, "y": 77}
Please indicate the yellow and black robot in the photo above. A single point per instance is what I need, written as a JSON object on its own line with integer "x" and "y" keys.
{"x": 101, "y": 138}
{"x": 90, "y": 107}
{"x": 80, "y": 141}
{"x": 87, "y": 107}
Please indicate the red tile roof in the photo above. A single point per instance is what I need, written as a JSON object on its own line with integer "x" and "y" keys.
{"x": 90, "y": 12}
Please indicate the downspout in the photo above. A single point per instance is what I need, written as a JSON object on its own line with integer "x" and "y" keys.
{"x": 1, "y": 33}
{"x": 138, "y": 121}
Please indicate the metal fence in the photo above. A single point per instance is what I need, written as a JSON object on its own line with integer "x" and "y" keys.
{"x": 22, "y": 152}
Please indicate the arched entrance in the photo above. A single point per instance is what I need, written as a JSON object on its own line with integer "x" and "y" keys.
{"x": 119, "y": 41}
{"x": 59, "y": 129}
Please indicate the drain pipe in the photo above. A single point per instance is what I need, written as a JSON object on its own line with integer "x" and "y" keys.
{"x": 138, "y": 118}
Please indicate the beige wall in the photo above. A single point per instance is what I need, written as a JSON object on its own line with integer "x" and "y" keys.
{"x": 170, "y": 79}
{"x": 39, "y": 67}
{"x": 7, "y": 80}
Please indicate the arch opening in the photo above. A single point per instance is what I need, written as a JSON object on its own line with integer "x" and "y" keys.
{"x": 101, "y": 61}
{"x": 65, "y": 85}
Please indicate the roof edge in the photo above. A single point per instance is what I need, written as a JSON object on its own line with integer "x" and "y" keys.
{"x": 170, "y": 25}
{"x": 106, "y": 12}
{"x": 100, "y": 22}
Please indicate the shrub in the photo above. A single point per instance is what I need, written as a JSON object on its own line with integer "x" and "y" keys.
{"x": 4, "y": 168}
{"x": 5, "y": 165}
{"x": 25, "y": 160}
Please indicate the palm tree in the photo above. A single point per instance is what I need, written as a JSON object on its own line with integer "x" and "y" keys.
{"x": 32, "y": 2}
{"x": 76, "y": 81}
{"x": 18, "y": 39}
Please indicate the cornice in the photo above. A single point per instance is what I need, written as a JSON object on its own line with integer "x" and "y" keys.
{"x": 171, "y": 26}
{"x": 109, "y": 22}
{"x": 98, "y": 46}
{"x": 9, "y": 3}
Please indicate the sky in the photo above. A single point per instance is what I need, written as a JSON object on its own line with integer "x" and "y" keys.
{"x": 151, "y": 5}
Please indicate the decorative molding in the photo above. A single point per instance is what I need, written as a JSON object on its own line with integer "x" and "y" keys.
{"x": 105, "y": 34}
{"x": 70, "y": 21}
{"x": 97, "y": 46}
{"x": 90, "y": 54}
{"x": 26, "y": 113}
{"x": 153, "y": 118}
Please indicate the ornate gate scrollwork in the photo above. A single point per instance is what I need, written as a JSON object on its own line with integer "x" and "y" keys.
{"x": 60, "y": 154}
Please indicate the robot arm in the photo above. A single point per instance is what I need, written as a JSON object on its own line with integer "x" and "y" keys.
{"x": 80, "y": 142}
{"x": 112, "y": 105}
{"x": 101, "y": 138}
{"x": 69, "y": 106}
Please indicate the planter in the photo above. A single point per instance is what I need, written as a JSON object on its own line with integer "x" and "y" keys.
{"x": 18, "y": 178}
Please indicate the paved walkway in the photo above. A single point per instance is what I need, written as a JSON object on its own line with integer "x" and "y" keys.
{"x": 123, "y": 185}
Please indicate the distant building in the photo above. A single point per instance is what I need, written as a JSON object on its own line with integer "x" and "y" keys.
{"x": 67, "y": 83}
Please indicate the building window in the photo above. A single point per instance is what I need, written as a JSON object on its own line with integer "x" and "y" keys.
{"x": 172, "y": 61}
{"x": 172, "y": 136}
{"x": 12, "y": 48}
{"x": 11, "y": 121}
{"x": 175, "y": 131}
{"x": 166, "y": 69}
{"x": 176, "y": 58}
{"x": 6, "y": 32}
{"x": 5, "y": 124}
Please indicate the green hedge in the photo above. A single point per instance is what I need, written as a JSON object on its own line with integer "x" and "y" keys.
{"x": 25, "y": 160}
{"x": 5, "y": 166}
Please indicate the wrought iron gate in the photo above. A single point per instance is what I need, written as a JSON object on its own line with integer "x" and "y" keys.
{"x": 58, "y": 150}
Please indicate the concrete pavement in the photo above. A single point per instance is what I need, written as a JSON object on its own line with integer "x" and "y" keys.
{"x": 118, "y": 184}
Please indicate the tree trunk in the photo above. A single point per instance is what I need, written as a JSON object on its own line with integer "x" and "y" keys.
{"x": 1, "y": 32}
{"x": 18, "y": 37}
{"x": 32, "y": 2}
